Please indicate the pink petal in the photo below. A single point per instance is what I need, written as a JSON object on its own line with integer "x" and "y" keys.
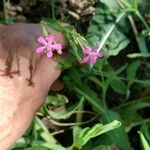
{"x": 86, "y": 59}
{"x": 40, "y": 49}
{"x": 56, "y": 46}
{"x": 42, "y": 40}
{"x": 99, "y": 54}
{"x": 93, "y": 60}
{"x": 49, "y": 54}
{"x": 86, "y": 50}
{"x": 95, "y": 49}
{"x": 50, "y": 39}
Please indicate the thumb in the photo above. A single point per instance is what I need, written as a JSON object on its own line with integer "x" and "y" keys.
{"x": 47, "y": 73}
{"x": 47, "y": 70}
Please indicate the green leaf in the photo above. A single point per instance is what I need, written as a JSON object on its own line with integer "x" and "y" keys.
{"x": 117, "y": 136}
{"x": 119, "y": 86}
{"x": 144, "y": 142}
{"x": 134, "y": 4}
{"x": 75, "y": 76}
{"x": 38, "y": 125}
{"x": 132, "y": 108}
{"x": 20, "y": 143}
{"x": 101, "y": 24}
{"x": 91, "y": 97}
{"x": 75, "y": 40}
{"x": 50, "y": 143}
{"x": 42, "y": 137}
{"x": 82, "y": 136}
{"x": 142, "y": 45}
{"x": 56, "y": 100}
{"x": 112, "y": 5}
{"x": 145, "y": 129}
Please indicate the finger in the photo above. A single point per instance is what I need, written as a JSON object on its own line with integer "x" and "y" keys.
{"x": 47, "y": 73}
{"x": 2, "y": 25}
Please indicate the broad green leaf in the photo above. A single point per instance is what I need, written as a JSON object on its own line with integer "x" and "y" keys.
{"x": 101, "y": 24}
{"x": 117, "y": 136}
{"x": 82, "y": 136}
{"x": 118, "y": 86}
{"x": 145, "y": 144}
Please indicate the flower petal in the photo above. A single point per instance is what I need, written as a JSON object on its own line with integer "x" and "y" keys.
{"x": 56, "y": 46}
{"x": 95, "y": 49}
{"x": 40, "y": 49}
{"x": 86, "y": 50}
{"x": 86, "y": 59}
{"x": 93, "y": 60}
{"x": 50, "y": 39}
{"x": 49, "y": 54}
{"x": 42, "y": 40}
{"x": 99, "y": 54}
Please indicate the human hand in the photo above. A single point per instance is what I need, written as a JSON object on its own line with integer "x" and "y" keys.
{"x": 25, "y": 78}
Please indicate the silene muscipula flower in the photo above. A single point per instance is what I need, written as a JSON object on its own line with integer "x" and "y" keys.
{"x": 91, "y": 55}
{"x": 48, "y": 45}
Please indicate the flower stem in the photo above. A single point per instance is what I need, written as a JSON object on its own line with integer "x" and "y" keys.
{"x": 53, "y": 9}
{"x": 79, "y": 114}
{"x": 4, "y": 9}
{"x": 142, "y": 19}
{"x": 103, "y": 41}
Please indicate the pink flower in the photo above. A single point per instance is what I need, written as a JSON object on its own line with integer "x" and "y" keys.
{"x": 48, "y": 45}
{"x": 91, "y": 55}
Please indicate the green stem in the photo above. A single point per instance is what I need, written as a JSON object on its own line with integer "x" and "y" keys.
{"x": 53, "y": 9}
{"x": 134, "y": 124}
{"x": 79, "y": 114}
{"x": 4, "y": 9}
{"x": 103, "y": 41}
{"x": 73, "y": 123}
{"x": 103, "y": 89}
{"x": 134, "y": 28}
{"x": 142, "y": 19}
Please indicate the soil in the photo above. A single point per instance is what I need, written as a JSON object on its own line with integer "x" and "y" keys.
{"x": 76, "y": 12}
